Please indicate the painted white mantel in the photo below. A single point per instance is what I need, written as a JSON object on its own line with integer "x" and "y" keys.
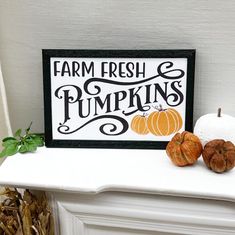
{"x": 122, "y": 192}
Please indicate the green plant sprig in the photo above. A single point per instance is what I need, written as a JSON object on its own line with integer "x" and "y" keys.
{"x": 29, "y": 142}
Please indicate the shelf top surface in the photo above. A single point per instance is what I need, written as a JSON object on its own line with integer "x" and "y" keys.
{"x": 97, "y": 170}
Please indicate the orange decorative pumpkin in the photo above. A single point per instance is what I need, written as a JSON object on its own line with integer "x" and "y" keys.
{"x": 139, "y": 124}
{"x": 164, "y": 122}
{"x": 184, "y": 149}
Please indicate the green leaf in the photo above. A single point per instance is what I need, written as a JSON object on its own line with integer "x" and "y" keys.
{"x": 8, "y": 138}
{"x": 38, "y": 140}
{"x": 23, "y": 149}
{"x": 30, "y": 145}
{"x": 18, "y": 133}
{"x": 28, "y": 140}
{"x": 11, "y": 149}
{"x": 9, "y": 142}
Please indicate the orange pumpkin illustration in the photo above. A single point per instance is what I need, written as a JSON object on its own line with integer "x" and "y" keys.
{"x": 164, "y": 122}
{"x": 139, "y": 124}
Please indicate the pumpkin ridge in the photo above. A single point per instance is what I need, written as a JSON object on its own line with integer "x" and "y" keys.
{"x": 229, "y": 160}
{"x": 149, "y": 123}
{"x": 152, "y": 122}
{"x": 150, "y": 119}
{"x": 175, "y": 157}
{"x": 160, "y": 133}
{"x": 157, "y": 117}
{"x": 195, "y": 139}
{"x": 180, "y": 121}
{"x": 175, "y": 113}
{"x": 174, "y": 121}
{"x": 168, "y": 123}
{"x": 139, "y": 125}
{"x": 186, "y": 159}
{"x": 146, "y": 126}
{"x": 177, "y": 125}
{"x": 133, "y": 123}
{"x": 142, "y": 127}
{"x": 186, "y": 151}
{"x": 136, "y": 120}
{"x": 183, "y": 156}
{"x": 194, "y": 145}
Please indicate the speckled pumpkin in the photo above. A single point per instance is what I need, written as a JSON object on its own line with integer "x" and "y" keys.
{"x": 184, "y": 149}
{"x": 219, "y": 155}
{"x": 164, "y": 122}
{"x": 139, "y": 124}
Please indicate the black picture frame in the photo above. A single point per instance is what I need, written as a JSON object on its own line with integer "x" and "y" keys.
{"x": 48, "y": 54}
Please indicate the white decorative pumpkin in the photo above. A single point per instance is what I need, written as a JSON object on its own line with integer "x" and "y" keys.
{"x": 215, "y": 126}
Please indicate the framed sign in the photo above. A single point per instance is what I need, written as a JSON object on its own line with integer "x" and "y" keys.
{"x": 117, "y": 98}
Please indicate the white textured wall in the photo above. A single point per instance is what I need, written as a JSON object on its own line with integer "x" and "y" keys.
{"x": 28, "y": 26}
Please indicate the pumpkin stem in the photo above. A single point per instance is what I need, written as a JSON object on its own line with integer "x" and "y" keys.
{"x": 219, "y": 112}
{"x": 159, "y": 108}
{"x": 145, "y": 114}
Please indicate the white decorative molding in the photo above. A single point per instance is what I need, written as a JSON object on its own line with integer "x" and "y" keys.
{"x": 126, "y": 212}
{"x": 68, "y": 222}
{"x": 94, "y": 171}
